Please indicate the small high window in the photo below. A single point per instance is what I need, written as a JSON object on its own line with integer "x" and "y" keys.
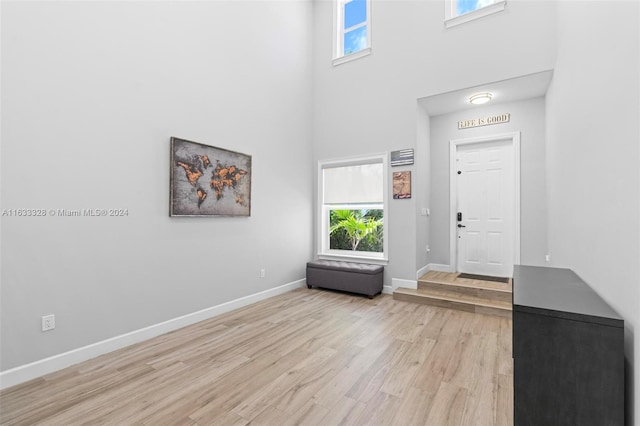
{"x": 461, "y": 11}
{"x": 352, "y": 30}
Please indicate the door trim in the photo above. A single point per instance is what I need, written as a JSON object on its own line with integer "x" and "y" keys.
{"x": 514, "y": 137}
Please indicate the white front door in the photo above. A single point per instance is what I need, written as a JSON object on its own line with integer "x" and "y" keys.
{"x": 485, "y": 208}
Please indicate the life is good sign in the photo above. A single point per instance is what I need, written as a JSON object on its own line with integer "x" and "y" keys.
{"x": 484, "y": 121}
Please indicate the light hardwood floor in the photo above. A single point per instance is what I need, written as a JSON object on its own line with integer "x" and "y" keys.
{"x": 310, "y": 357}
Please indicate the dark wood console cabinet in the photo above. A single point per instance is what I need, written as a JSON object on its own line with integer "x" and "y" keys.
{"x": 568, "y": 352}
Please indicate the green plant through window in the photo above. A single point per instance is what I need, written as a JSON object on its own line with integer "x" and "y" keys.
{"x": 360, "y": 230}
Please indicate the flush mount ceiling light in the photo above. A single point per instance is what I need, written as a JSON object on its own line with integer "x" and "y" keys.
{"x": 480, "y": 98}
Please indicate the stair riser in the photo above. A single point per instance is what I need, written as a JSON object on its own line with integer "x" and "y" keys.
{"x": 486, "y": 294}
{"x": 460, "y": 306}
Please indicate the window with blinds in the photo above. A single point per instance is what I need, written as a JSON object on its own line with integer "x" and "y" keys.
{"x": 352, "y": 207}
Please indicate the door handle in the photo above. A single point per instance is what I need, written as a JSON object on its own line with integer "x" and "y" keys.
{"x": 461, "y": 226}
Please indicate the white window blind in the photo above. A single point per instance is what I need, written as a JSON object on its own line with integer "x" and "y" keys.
{"x": 353, "y": 184}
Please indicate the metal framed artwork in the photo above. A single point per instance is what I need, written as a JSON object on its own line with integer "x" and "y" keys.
{"x": 404, "y": 157}
{"x": 401, "y": 185}
{"x": 208, "y": 181}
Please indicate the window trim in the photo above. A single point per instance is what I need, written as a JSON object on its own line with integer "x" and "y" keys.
{"x": 322, "y": 225}
{"x": 338, "y": 33}
{"x": 452, "y": 20}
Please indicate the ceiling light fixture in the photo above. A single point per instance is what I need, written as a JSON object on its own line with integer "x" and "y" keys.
{"x": 480, "y": 98}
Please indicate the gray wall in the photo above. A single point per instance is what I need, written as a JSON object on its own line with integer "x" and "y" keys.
{"x": 593, "y": 150}
{"x": 423, "y": 197}
{"x": 528, "y": 118}
{"x": 91, "y": 93}
{"x": 369, "y": 105}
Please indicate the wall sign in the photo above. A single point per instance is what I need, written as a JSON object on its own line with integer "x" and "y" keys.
{"x": 402, "y": 158}
{"x": 484, "y": 121}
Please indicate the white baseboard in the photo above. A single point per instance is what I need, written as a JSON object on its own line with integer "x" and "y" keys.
{"x": 387, "y": 289}
{"x": 396, "y": 282}
{"x": 433, "y": 267}
{"x": 41, "y": 367}
{"x": 440, "y": 268}
{"x": 420, "y": 272}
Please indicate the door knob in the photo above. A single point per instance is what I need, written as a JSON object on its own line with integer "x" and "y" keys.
{"x": 461, "y": 226}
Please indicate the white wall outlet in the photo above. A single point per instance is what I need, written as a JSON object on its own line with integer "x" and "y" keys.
{"x": 423, "y": 212}
{"x": 428, "y": 249}
{"x": 48, "y": 322}
{"x": 263, "y": 273}
{"x": 547, "y": 258}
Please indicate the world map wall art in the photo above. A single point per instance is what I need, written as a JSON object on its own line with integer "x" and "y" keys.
{"x": 208, "y": 181}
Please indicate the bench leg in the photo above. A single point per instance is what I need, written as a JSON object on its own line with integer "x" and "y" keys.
{"x": 308, "y": 285}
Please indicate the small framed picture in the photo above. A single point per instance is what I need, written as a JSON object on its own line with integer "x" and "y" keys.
{"x": 401, "y": 185}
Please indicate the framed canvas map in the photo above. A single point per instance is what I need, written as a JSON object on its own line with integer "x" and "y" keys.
{"x": 208, "y": 181}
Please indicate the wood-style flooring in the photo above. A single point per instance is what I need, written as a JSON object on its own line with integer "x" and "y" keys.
{"x": 448, "y": 290}
{"x": 311, "y": 357}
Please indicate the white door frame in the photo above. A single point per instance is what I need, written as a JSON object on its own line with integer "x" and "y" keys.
{"x": 453, "y": 191}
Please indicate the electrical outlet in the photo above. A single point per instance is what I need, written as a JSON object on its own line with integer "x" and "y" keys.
{"x": 428, "y": 249}
{"x": 48, "y": 322}
{"x": 263, "y": 273}
{"x": 547, "y": 258}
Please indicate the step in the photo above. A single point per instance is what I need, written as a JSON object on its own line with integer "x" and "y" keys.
{"x": 479, "y": 289}
{"x": 461, "y": 302}
{"x": 452, "y": 278}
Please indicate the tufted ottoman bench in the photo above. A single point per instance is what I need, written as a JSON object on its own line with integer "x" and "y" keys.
{"x": 346, "y": 276}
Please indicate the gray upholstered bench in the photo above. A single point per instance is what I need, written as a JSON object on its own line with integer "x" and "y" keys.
{"x": 346, "y": 276}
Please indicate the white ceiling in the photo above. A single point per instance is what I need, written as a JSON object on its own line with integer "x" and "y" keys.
{"x": 514, "y": 89}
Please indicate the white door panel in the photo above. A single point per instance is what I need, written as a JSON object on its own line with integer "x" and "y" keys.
{"x": 486, "y": 197}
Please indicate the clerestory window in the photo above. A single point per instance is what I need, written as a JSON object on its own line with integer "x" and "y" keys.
{"x": 461, "y": 11}
{"x": 352, "y": 21}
